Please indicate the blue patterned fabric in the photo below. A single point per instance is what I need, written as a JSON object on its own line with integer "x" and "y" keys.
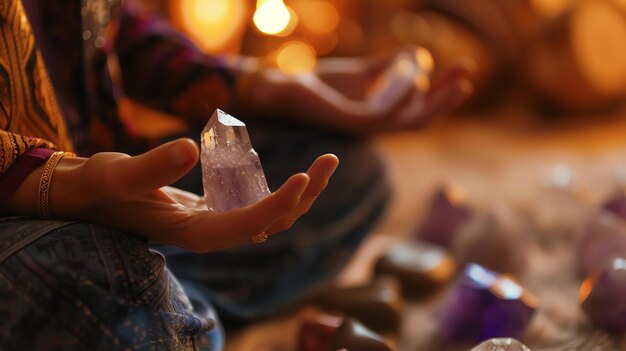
{"x": 85, "y": 287}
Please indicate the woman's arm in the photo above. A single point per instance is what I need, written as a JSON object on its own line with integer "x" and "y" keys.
{"x": 130, "y": 194}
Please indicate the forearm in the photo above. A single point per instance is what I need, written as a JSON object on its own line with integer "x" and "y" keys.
{"x": 67, "y": 199}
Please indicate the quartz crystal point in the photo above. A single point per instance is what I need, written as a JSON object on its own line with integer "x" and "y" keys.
{"x": 602, "y": 239}
{"x": 501, "y": 344}
{"x": 447, "y": 214}
{"x": 409, "y": 69}
{"x": 232, "y": 175}
{"x": 603, "y": 296}
{"x": 420, "y": 267}
{"x": 484, "y": 305}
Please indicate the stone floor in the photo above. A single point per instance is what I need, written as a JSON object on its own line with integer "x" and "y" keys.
{"x": 503, "y": 156}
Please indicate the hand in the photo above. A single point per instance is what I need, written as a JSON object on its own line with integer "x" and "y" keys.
{"x": 130, "y": 194}
{"x": 334, "y": 97}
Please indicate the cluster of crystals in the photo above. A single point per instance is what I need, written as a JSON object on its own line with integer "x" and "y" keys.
{"x": 483, "y": 305}
{"x": 232, "y": 175}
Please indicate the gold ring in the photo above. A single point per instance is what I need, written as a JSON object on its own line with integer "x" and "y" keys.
{"x": 259, "y": 238}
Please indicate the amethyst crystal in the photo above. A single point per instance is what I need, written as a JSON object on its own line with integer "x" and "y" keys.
{"x": 420, "y": 267}
{"x": 410, "y": 69}
{"x": 603, "y": 296}
{"x": 497, "y": 240}
{"x": 617, "y": 205}
{"x": 232, "y": 175}
{"x": 484, "y": 305}
{"x": 446, "y": 215}
{"x": 602, "y": 239}
{"x": 503, "y": 344}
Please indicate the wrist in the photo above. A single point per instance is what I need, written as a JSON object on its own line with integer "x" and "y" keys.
{"x": 66, "y": 200}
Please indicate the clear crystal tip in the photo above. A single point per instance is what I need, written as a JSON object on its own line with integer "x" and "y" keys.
{"x": 232, "y": 175}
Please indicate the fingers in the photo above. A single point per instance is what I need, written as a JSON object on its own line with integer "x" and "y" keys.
{"x": 445, "y": 94}
{"x": 238, "y": 226}
{"x": 320, "y": 172}
{"x": 451, "y": 90}
{"x": 154, "y": 169}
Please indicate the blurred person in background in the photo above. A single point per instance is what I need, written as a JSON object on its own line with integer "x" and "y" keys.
{"x": 82, "y": 275}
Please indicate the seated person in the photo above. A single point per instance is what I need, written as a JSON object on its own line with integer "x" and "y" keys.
{"x": 77, "y": 271}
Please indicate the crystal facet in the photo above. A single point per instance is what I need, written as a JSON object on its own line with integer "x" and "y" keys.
{"x": 602, "y": 296}
{"x": 501, "y": 344}
{"x": 602, "y": 239}
{"x": 447, "y": 214}
{"x": 483, "y": 305}
{"x": 422, "y": 268}
{"x": 232, "y": 175}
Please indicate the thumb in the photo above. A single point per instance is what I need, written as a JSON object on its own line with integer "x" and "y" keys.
{"x": 154, "y": 169}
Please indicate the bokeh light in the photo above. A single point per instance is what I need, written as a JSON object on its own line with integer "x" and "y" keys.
{"x": 296, "y": 57}
{"x": 318, "y": 16}
{"x": 271, "y": 16}
{"x": 213, "y": 24}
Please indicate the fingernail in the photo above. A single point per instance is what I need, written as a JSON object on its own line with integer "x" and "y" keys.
{"x": 180, "y": 154}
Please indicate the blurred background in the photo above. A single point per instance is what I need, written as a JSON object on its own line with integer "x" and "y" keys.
{"x": 550, "y": 85}
{"x": 543, "y": 134}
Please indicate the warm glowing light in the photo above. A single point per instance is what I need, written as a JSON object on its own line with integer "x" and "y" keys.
{"x": 424, "y": 59}
{"x": 586, "y": 287}
{"x": 271, "y": 17}
{"x": 551, "y": 8}
{"x": 318, "y": 16}
{"x": 296, "y": 57}
{"x": 213, "y": 24}
{"x": 291, "y": 26}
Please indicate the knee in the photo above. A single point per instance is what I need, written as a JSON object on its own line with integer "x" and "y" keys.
{"x": 114, "y": 261}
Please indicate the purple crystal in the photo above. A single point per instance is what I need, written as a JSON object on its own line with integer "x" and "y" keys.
{"x": 446, "y": 215}
{"x": 603, "y": 296}
{"x": 497, "y": 240}
{"x": 603, "y": 239}
{"x": 502, "y": 344}
{"x": 484, "y": 305}
{"x": 617, "y": 205}
{"x": 232, "y": 175}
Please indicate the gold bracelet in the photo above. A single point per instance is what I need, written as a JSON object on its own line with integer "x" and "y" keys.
{"x": 45, "y": 181}
{"x": 259, "y": 238}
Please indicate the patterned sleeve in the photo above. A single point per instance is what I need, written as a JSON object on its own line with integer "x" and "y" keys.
{"x": 13, "y": 146}
{"x": 163, "y": 69}
{"x": 29, "y": 113}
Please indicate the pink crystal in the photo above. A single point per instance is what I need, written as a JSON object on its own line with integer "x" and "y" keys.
{"x": 232, "y": 175}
